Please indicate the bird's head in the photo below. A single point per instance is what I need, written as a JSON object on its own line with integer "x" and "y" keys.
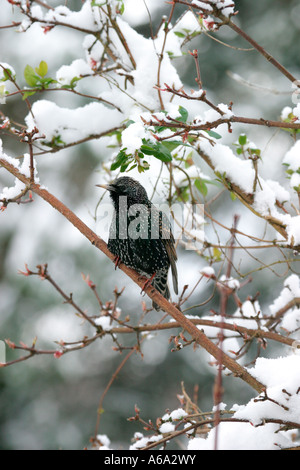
{"x": 126, "y": 186}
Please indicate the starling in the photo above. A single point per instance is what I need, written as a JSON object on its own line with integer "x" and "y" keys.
{"x": 140, "y": 235}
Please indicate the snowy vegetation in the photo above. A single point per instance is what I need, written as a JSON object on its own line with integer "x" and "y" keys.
{"x": 129, "y": 102}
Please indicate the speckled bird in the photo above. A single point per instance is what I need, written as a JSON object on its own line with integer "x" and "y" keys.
{"x": 140, "y": 235}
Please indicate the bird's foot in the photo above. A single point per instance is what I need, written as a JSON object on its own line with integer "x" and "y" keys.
{"x": 143, "y": 278}
{"x": 117, "y": 261}
{"x": 147, "y": 283}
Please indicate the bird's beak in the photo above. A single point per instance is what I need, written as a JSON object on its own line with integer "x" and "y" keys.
{"x": 108, "y": 187}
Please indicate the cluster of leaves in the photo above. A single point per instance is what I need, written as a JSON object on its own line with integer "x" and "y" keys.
{"x": 165, "y": 151}
{"x": 120, "y": 7}
{"x": 38, "y": 81}
{"x": 162, "y": 150}
{"x": 186, "y": 33}
{"x": 290, "y": 172}
{"x": 291, "y": 118}
{"x": 7, "y": 76}
{"x": 36, "y": 78}
{"x": 247, "y": 149}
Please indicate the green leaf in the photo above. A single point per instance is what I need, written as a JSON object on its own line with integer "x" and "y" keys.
{"x": 242, "y": 139}
{"x": 179, "y": 34}
{"x": 158, "y": 150}
{"x": 57, "y": 141}
{"x": 45, "y": 82}
{"x": 213, "y": 182}
{"x": 132, "y": 167}
{"x": 256, "y": 151}
{"x": 124, "y": 167}
{"x": 121, "y": 161}
{"x": 183, "y": 113}
{"x": 26, "y": 94}
{"x": 173, "y": 144}
{"x": 217, "y": 254}
{"x": 72, "y": 84}
{"x": 214, "y": 134}
{"x": 114, "y": 166}
{"x": 159, "y": 129}
{"x": 42, "y": 69}
{"x": 121, "y": 7}
{"x": 147, "y": 149}
{"x": 184, "y": 194}
{"x": 7, "y": 75}
{"x": 74, "y": 81}
{"x": 201, "y": 186}
{"x": 141, "y": 168}
{"x": 30, "y": 77}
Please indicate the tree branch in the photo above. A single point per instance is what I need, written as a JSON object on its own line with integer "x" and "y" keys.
{"x": 227, "y": 21}
{"x": 196, "y": 334}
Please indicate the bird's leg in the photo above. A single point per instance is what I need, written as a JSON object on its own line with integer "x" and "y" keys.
{"x": 117, "y": 261}
{"x": 148, "y": 282}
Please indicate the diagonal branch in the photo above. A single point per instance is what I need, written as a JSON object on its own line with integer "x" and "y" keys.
{"x": 196, "y": 334}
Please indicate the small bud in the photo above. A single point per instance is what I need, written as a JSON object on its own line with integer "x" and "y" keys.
{"x": 58, "y": 354}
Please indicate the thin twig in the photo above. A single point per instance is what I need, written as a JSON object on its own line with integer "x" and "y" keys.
{"x": 161, "y": 55}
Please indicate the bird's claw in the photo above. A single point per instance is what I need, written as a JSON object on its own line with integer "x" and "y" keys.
{"x": 117, "y": 261}
{"x": 147, "y": 282}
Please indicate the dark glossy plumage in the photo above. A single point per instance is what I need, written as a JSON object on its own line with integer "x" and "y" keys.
{"x": 140, "y": 235}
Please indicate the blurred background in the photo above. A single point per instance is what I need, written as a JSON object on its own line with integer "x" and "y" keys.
{"x": 46, "y": 403}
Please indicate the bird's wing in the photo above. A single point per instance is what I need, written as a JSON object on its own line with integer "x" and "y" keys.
{"x": 169, "y": 243}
